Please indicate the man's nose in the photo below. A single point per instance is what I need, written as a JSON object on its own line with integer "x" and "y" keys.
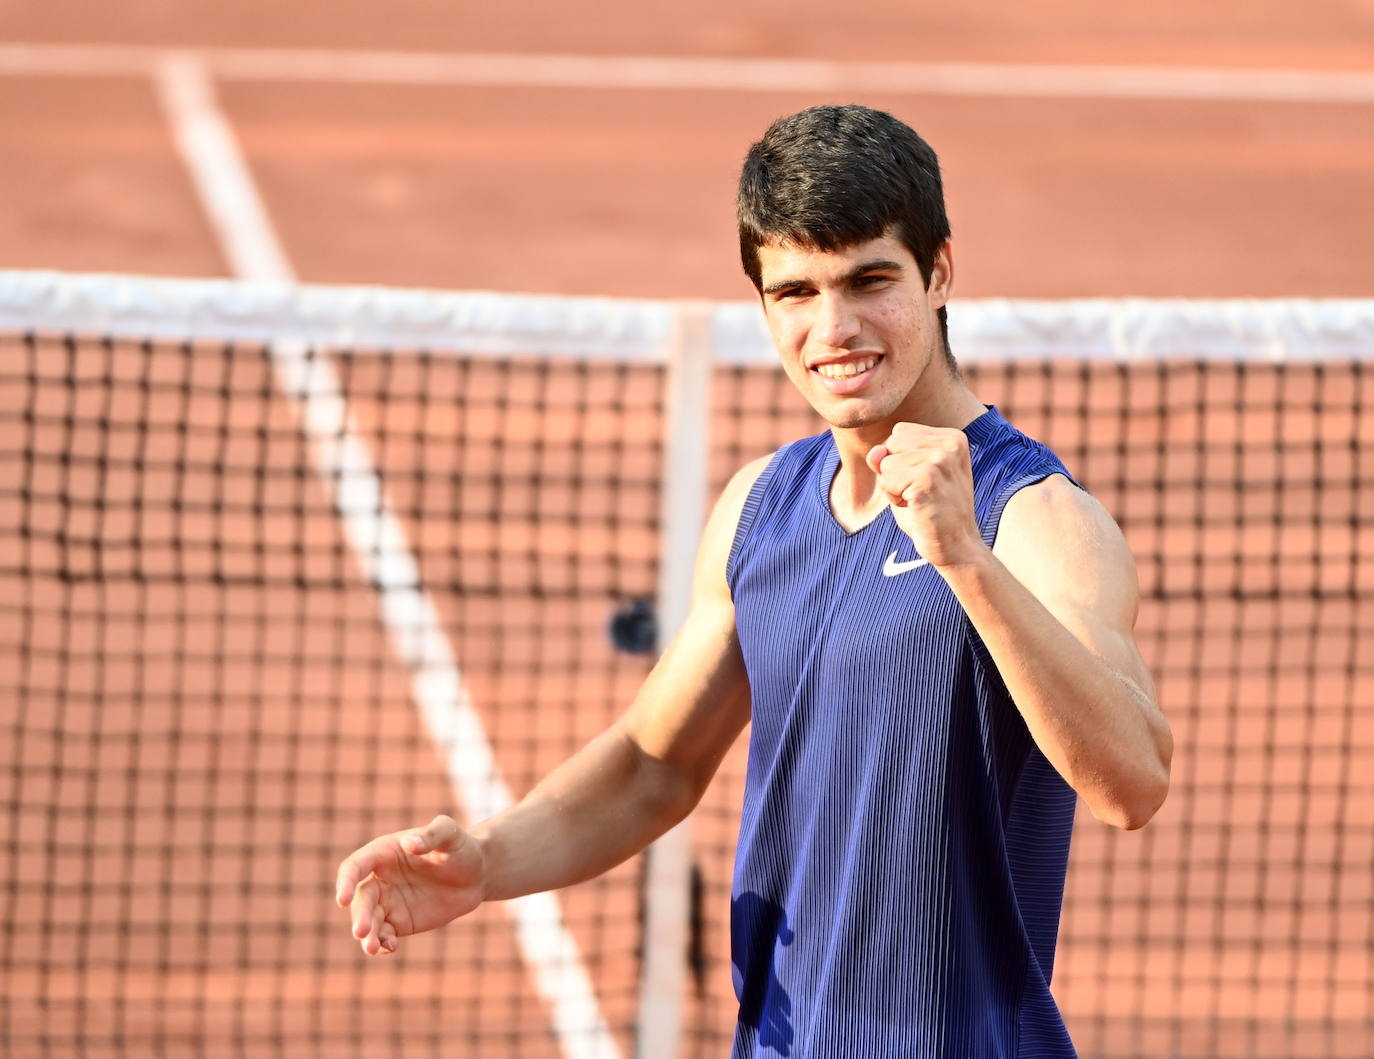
{"x": 837, "y": 321}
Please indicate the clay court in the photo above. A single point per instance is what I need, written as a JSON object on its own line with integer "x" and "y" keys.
{"x": 242, "y": 736}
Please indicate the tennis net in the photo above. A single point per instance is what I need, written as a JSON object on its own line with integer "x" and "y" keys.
{"x": 282, "y": 569}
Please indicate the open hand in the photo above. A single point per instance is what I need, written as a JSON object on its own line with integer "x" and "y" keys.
{"x": 410, "y": 881}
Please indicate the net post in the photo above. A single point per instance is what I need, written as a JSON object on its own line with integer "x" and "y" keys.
{"x": 682, "y": 513}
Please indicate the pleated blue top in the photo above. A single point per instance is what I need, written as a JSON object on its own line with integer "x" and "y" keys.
{"x": 900, "y": 868}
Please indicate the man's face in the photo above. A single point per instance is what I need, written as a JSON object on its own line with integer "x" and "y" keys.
{"x": 857, "y": 329}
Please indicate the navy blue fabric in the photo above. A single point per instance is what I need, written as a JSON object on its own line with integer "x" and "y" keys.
{"x": 900, "y": 867}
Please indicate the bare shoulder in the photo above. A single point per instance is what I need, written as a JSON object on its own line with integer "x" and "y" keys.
{"x": 1056, "y": 510}
{"x": 719, "y": 534}
{"x": 1058, "y": 539}
{"x": 737, "y": 489}
{"x": 725, "y": 516}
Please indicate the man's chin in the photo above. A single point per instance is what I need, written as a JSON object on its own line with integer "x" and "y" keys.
{"x": 851, "y": 415}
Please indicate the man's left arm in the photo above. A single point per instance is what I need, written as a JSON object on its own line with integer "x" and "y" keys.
{"x": 1055, "y": 602}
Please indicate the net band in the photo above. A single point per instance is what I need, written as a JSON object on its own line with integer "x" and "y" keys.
{"x": 500, "y": 325}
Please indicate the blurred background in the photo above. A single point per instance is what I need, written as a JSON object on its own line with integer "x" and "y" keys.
{"x": 1062, "y": 181}
{"x": 206, "y": 712}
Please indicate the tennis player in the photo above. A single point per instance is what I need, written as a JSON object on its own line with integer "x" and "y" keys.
{"x": 928, "y": 622}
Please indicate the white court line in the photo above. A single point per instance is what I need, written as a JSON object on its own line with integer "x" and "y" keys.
{"x": 222, "y": 178}
{"x": 699, "y": 73}
{"x": 212, "y": 157}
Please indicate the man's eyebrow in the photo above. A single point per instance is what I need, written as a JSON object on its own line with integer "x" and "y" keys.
{"x": 849, "y": 277}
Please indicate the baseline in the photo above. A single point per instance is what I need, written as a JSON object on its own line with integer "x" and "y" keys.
{"x": 701, "y": 73}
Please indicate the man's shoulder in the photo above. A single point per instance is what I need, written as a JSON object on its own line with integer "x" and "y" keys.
{"x": 744, "y": 479}
{"x": 759, "y": 490}
{"x": 802, "y": 451}
{"x": 1002, "y": 441}
{"x": 1055, "y": 503}
{"x": 807, "y": 448}
{"x": 1006, "y": 457}
{"x": 1057, "y": 529}
{"x": 734, "y": 498}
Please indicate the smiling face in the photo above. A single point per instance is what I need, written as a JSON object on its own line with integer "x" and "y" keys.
{"x": 857, "y": 329}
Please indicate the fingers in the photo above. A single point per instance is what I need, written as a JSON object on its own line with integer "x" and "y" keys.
{"x": 917, "y": 439}
{"x": 381, "y": 941}
{"x": 371, "y": 929}
{"x": 442, "y": 833}
{"x": 365, "y": 907}
{"x": 914, "y": 458}
{"x": 372, "y": 940}
{"x": 362, "y": 876}
{"x": 895, "y": 481}
{"x": 904, "y": 495}
{"x": 355, "y": 868}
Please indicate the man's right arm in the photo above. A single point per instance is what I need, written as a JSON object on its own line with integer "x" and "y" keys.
{"x": 607, "y": 802}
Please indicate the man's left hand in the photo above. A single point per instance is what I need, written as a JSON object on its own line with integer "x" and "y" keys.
{"x": 927, "y": 477}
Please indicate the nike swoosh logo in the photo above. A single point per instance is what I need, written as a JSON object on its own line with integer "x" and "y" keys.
{"x": 892, "y": 567}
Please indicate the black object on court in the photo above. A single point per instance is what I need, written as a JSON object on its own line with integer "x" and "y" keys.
{"x": 634, "y": 627}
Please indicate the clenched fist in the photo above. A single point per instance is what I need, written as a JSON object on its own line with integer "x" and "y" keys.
{"x": 927, "y": 478}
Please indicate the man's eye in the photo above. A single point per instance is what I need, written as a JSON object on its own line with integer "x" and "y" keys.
{"x": 870, "y": 281}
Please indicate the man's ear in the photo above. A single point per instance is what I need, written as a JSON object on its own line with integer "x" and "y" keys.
{"x": 941, "y": 287}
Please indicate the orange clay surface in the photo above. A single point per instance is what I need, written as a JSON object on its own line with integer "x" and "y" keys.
{"x": 629, "y": 192}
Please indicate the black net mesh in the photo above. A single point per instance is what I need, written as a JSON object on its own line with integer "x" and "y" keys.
{"x": 204, "y": 710}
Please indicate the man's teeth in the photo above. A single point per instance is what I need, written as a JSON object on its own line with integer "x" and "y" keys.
{"x": 843, "y": 371}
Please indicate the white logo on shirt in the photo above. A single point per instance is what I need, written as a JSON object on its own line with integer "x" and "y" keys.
{"x": 892, "y": 567}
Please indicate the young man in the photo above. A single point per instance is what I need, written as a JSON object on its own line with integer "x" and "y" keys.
{"x": 930, "y": 625}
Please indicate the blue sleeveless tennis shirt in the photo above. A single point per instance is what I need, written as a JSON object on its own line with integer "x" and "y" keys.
{"x": 900, "y": 867}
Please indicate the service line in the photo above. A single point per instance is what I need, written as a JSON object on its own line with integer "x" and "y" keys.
{"x": 703, "y": 73}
